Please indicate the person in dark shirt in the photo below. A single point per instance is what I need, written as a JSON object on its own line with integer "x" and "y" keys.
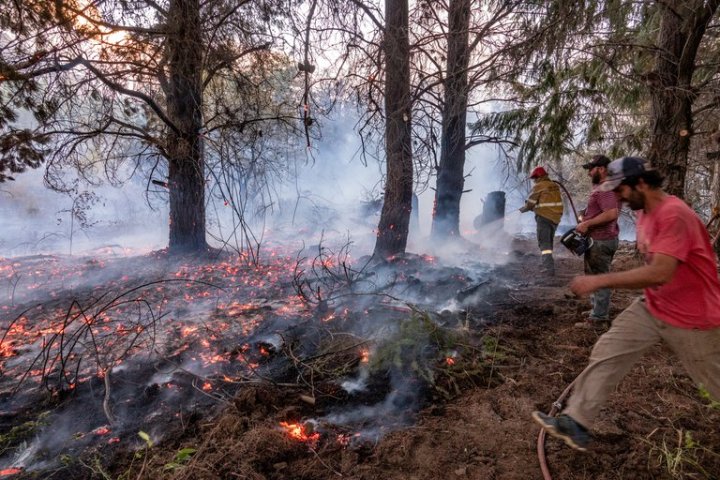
{"x": 599, "y": 223}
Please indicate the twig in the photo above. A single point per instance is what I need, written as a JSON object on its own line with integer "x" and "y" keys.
{"x": 325, "y": 464}
{"x": 106, "y": 400}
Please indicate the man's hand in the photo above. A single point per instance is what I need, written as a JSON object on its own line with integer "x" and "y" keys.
{"x": 584, "y": 285}
{"x": 582, "y": 228}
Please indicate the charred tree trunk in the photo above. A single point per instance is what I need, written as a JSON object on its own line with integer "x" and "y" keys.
{"x": 451, "y": 170}
{"x": 395, "y": 216}
{"x": 186, "y": 169}
{"x": 682, "y": 27}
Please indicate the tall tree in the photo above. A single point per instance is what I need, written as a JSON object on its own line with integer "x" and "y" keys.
{"x": 460, "y": 57}
{"x": 395, "y": 215}
{"x": 451, "y": 170}
{"x": 674, "y": 86}
{"x": 126, "y": 81}
{"x": 186, "y": 161}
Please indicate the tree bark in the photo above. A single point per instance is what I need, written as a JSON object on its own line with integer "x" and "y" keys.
{"x": 682, "y": 27}
{"x": 395, "y": 217}
{"x": 186, "y": 170}
{"x": 451, "y": 170}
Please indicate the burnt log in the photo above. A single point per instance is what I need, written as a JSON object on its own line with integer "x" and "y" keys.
{"x": 493, "y": 213}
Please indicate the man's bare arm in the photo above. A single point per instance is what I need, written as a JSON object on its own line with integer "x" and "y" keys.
{"x": 659, "y": 272}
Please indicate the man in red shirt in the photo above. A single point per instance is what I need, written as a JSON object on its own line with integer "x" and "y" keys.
{"x": 599, "y": 222}
{"x": 681, "y": 302}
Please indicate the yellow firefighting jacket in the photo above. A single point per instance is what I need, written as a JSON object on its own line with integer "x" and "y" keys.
{"x": 545, "y": 200}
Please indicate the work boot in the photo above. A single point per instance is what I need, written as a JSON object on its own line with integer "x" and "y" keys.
{"x": 548, "y": 265}
{"x": 565, "y": 428}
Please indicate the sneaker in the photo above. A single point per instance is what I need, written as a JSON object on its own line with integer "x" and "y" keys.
{"x": 564, "y": 428}
{"x": 593, "y": 323}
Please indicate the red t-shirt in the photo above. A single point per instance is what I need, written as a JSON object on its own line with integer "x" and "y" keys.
{"x": 691, "y": 299}
{"x": 598, "y": 203}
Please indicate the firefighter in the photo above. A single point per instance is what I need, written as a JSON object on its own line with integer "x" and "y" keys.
{"x": 547, "y": 204}
{"x": 680, "y": 305}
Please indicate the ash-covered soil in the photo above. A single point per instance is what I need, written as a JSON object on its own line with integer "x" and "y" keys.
{"x": 518, "y": 350}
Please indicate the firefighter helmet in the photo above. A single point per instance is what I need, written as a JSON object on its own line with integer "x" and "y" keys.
{"x": 538, "y": 172}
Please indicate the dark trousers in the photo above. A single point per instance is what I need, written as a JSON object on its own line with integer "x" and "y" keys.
{"x": 598, "y": 260}
{"x": 545, "y": 236}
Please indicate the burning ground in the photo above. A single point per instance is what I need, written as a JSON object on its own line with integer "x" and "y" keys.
{"x": 319, "y": 366}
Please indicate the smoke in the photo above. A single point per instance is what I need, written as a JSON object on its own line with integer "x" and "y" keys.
{"x": 329, "y": 201}
{"x": 38, "y": 220}
{"x": 326, "y": 192}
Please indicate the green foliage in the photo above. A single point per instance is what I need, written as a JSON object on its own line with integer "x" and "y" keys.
{"x": 146, "y": 438}
{"x": 444, "y": 359}
{"x": 20, "y": 149}
{"x": 22, "y": 432}
{"x": 181, "y": 458}
{"x": 492, "y": 350}
{"x": 705, "y": 395}
{"x": 682, "y": 457}
{"x": 583, "y": 84}
{"x": 417, "y": 346}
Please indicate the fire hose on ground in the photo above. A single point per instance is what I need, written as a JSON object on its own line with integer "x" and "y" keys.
{"x": 556, "y": 406}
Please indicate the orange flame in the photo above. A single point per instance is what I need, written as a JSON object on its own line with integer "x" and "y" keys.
{"x": 298, "y": 431}
{"x": 364, "y": 356}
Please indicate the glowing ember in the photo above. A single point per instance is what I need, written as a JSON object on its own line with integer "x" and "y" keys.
{"x": 113, "y": 440}
{"x": 9, "y": 471}
{"x": 207, "y": 386}
{"x": 364, "y": 356}
{"x": 101, "y": 430}
{"x": 450, "y": 361}
{"x": 344, "y": 439}
{"x": 298, "y": 431}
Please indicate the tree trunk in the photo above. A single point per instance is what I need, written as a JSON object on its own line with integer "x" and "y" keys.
{"x": 682, "y": 27}
{"x": 186, "y": 170}
{"x": 451, "y": 170}
{"x": 395, "y": 216}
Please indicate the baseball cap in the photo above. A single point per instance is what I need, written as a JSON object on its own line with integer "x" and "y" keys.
{"x": 597, "y": 161}
{"x": 622, "y": 168}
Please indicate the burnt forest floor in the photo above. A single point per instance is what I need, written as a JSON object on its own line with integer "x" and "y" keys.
{"x": 656, "y": 426}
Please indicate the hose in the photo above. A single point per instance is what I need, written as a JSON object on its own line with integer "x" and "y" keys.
{"x": 569, "y": 197}
{"x": 541, "y": 437}
{"x": 558, "y": 403}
